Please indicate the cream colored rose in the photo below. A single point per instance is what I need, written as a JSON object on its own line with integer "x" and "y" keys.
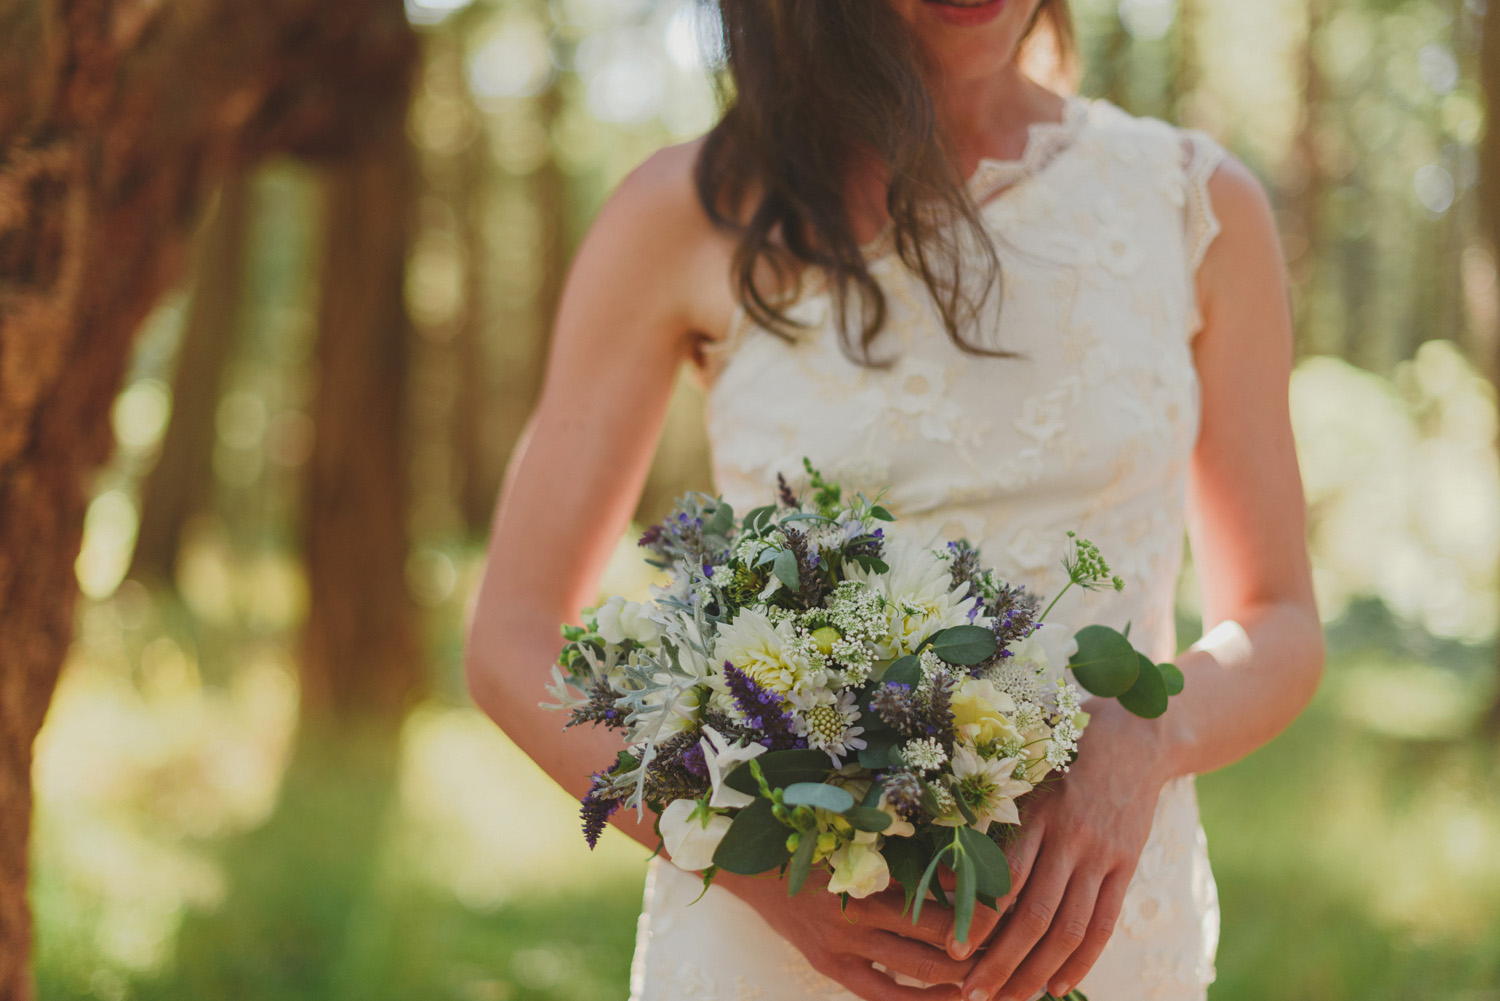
{"x": 858, "y": 870}
{"x": 620, "y": 620}
{"x": 691, "y": 835}
{"x": 980, "y": 713}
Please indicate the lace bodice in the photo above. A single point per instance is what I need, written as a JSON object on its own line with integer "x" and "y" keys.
{"x": 1100, "y": 227}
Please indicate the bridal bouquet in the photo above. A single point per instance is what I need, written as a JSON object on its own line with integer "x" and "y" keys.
{"x": 809, "y": 691}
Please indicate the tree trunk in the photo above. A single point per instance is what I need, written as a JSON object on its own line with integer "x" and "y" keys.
{"x": 181, "y": 483}
{"x": 105, "y": 159}
{"x": 360, "y": 650}
{"x": 1489, "y": 201}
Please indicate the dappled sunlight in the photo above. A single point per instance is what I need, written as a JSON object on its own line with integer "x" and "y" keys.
{"x": 483, "y": 822}
{"x": 1403, "y": 488}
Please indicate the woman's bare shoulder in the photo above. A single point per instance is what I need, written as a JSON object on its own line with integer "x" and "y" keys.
{"x": 655, "y": 237}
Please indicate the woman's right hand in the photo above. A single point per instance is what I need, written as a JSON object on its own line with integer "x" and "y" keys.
{"x": 842, "y": 944}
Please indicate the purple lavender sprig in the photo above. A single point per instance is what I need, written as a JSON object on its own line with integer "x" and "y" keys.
{"x": 599, "y": 805}
{"x": 765, "y": 712}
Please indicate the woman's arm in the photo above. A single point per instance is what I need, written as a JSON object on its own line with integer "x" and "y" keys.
{"x": 1251, "y": 674}
{"x": 632, "y": 303}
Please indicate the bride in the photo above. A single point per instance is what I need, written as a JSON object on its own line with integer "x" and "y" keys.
{"x": 904, "y": 256}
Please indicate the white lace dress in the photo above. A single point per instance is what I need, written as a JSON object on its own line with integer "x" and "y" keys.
{"x": 1100, "y": 227}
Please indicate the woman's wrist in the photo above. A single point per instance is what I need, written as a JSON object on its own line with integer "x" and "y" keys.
{"x": 1154, "y": 746}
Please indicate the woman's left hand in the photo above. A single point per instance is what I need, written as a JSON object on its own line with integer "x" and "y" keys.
{"x": 1079, "y": 846}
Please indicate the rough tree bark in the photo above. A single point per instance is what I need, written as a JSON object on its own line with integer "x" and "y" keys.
{"x": 116, "y": 117}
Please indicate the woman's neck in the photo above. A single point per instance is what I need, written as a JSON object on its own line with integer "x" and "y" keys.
{"x": 990, "y": 116}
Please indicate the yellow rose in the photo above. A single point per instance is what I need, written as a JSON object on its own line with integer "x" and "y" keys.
{"x": 979, "y": 713}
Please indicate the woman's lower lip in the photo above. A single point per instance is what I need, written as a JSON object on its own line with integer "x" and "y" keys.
{"x": 965, "y": 16}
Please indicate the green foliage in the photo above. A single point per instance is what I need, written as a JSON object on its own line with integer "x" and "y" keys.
{"x": 1105, "y": 664}
{"x": 1148, "y": 696}
{"x": 755, "y": 842}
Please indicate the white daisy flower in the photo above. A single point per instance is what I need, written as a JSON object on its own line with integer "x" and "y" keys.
{"x": 766, "y": 651}
{"x": 827, "y": 721}
{"x": 989, "y": 788}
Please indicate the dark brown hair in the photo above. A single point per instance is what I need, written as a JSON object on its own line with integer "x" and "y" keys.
{"x": 811, "y": 87}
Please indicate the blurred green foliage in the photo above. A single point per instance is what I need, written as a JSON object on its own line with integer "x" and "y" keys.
{"x": 1358, "y": 856}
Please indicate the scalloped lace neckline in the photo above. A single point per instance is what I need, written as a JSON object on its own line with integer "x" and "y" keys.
{"x": 1044, "y": 140}
{"x": 994, "y": 178}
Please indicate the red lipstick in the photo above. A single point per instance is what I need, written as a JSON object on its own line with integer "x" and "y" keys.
{"x": 965, "y": 15}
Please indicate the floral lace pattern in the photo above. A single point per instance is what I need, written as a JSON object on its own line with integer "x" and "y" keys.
{"x": 1100, "y": 228}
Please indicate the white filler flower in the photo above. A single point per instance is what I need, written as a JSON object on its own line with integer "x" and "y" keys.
{"x": 692, "y": 834}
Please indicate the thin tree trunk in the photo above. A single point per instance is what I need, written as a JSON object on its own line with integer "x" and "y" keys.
{"x": 106, "y": 154}
{"x": 1489, "y": 199}
{"x": 180, "y": 484}
{"x": 1307, "y": 204}
{"x": 475, "y": 469}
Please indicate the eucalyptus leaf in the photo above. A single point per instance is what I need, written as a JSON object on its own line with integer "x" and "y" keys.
{"x": 1172, "y": 675}
{"x": 755, "y": 842}
{"x": 867, "y": 818}
{"x": 807, "y": 846}
{"x": 785, "y": 569}
{"x": 781, "y": 768}
{"x": 767, "y": 556}
{"x": 1105, "y": 664}
{"x": 880, "y": 513}
{"x": 1148, "y": 696}
{"x": 825, "y": 797}
{"x": 904, "y": 671}
{"x": 991, "y": 867}
{"x": 963, "y": 645}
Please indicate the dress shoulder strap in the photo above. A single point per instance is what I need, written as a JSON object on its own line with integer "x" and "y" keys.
{"x": 1201, "y": 154}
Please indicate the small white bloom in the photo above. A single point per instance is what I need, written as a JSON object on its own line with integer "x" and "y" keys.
{"x": 721, "y": 759}
{"x": 858, "y": 870}
{"x": 691, "y": 833}
{"x": 989, "y": 787}
{"x": 620, "y": 620}
{"x": 827, "y": 721}
{"x": 924, "y": 754}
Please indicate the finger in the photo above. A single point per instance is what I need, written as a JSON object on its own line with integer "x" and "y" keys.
{"x": 918, "y": 961}
{"x": 1064, "y": 936}
{"x": 884, "y": 911}
{"x": 1022, "y": 855}
{"x": 980, "y": 928}
{"x": 860, "y": 977}
{"x": 1101, "y": 927}
{"x": 1023, "y": 927}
